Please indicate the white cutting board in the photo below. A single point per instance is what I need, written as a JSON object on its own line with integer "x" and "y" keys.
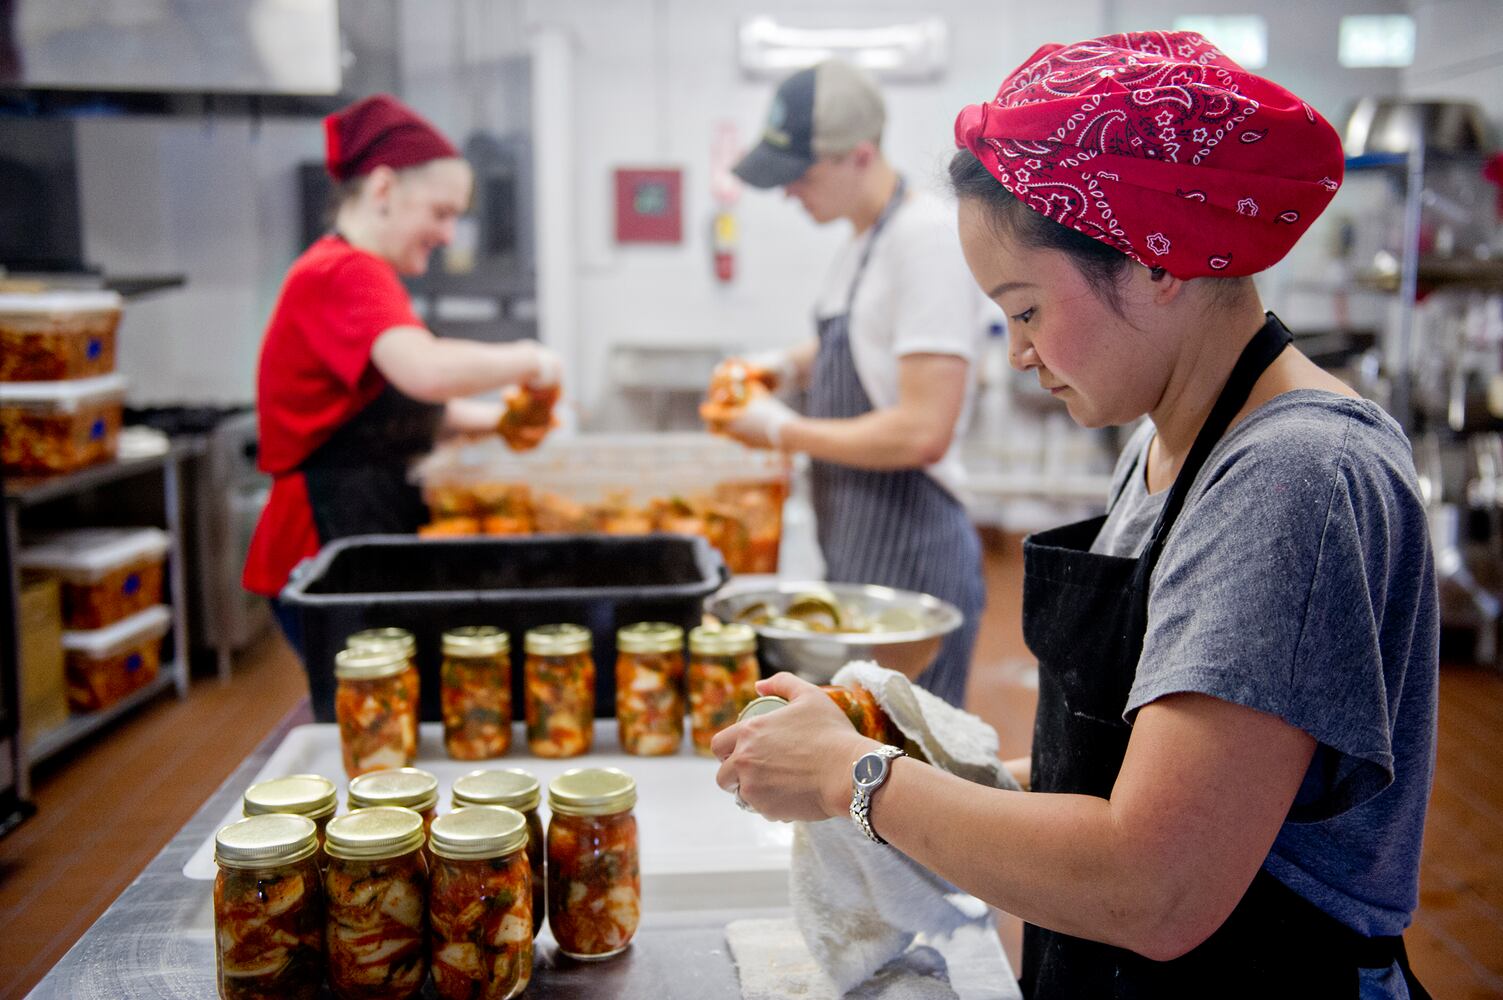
{"x": 698, "y": 851}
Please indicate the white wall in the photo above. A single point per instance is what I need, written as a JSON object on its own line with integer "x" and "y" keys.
{"x": 1459, "y": 54}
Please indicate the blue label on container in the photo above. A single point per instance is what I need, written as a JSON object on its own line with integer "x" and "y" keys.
{"x": 133, "y": 663}
{"x": 96, "y": 431}
{"x": 96, "y": 348}
{"x": 132, "y": 584}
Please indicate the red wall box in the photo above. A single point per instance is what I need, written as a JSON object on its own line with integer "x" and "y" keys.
{"x": 649, "y": 205}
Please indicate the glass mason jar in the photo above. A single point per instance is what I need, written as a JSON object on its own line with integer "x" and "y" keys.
{"x": 723, "y": 676}
{"x": 480, "y": 904}
{"x": 268, "y": 909}
{"x": 377, "y": 709}
{"x": 398, "y": 639}
{"x": 649, "y": 688}
{"x": 310, "y": 795}
{"x": 559, "y": 685}
{"x": 594, "y": 874}
{"x": 475, "y": 690}
{"x": 515, "y": 789}
{"x": 376, "y": 890}
{"x": 408, "y": 787}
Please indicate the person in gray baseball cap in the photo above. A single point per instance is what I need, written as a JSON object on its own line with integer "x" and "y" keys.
{"x": 889, "y": 378}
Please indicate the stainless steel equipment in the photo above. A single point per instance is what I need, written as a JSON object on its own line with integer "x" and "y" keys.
{"x": 905, "y": 631}
{"x": 1393, "y": 125}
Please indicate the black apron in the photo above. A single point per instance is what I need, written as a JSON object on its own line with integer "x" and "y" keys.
{"x": 357, "y": 480}
{"x": 1084, "y": 617}
{"x": 897, "y": 528}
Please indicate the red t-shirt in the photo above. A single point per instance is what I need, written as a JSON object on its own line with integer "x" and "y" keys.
{"x": 315, "y": 374}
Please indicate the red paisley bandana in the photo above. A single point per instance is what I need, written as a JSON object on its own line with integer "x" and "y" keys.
{"x": 1159, "y": 145}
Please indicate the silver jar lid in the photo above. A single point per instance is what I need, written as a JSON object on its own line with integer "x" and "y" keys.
{"x": 557, "y": 640}
{"x": 369, "y": 663}
{"x": 266, "y": 841}
{"x": 509, "y": 786}
{"x": 310, "y": 795}
{"x": 374, "y": 834}
{"x": 592, "y": 791}
{"x": 411, "y": 787}
{"x": 478, "y": 832}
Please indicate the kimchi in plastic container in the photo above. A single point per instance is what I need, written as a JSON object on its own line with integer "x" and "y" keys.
{"x": 104, "y": 665}
{"x": 620, "y": 484}
{"x": 51, "y": 336}
{"x": 107, "y": 574}
{"x": 52, "y": 427}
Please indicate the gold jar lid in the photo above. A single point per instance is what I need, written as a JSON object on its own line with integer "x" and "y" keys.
{"x": 761, "y": 706}
{"x": 374, "y": 834}
{"x": 592, "y": 791}
{"x": 557, "y": 640}
{"x": 399, "y": 786}
{"x": 730, "y": 639}
{"x": 478, "y": 832}
{"x": 310, "y": 795}
{"x": 383, "y": 638}
{"x": 499, "y": 787}
{"x": 650, "y": 637}
{"x": 266, "y": 841}
{"x": 476, "y": 640}
{"x": 369, "y": 663}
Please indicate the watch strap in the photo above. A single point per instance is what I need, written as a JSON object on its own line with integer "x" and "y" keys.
{"x": 861, "y": 796}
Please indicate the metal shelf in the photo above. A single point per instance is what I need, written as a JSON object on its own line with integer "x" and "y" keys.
{"x": 30, "y": 490}
{"x": 79, "y": 726}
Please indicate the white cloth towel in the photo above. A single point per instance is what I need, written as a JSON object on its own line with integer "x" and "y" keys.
{"x": 859, "y": 905}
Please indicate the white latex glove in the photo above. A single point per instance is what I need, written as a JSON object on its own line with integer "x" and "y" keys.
{"x": 779, "y": 363}
{"x": 761, "y": 421}
{"x": 548, "y": 367}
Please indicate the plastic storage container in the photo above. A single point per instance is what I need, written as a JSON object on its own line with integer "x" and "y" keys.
{"x": 616, "y": 484}
{"x": 106, "y": 664}
{"x": 50, "y": 336}
{"x": 107, "y": 574}
{"x": 51, "y": 427}
{"x": 431, "y": 585}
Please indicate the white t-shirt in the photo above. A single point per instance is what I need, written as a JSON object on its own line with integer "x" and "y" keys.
{"x": 916, "y": 297}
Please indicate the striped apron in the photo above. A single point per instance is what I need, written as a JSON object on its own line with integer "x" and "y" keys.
{"x": 897, "y": 528}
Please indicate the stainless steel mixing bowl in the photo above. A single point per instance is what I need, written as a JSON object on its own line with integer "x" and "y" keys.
{"x": 904, "y": 628}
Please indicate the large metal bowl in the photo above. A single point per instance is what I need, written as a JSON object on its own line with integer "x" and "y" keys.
{"x": 911, "y": 627}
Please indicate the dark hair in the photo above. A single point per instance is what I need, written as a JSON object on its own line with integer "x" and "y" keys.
{"x": 1102, "y": 266}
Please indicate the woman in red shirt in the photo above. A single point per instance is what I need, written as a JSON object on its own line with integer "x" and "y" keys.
{"x": 351, "y": 386}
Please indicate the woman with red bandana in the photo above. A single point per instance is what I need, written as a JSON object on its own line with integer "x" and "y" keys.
{"x": 352, "y": 387}
{"x": 1235, "y": 733}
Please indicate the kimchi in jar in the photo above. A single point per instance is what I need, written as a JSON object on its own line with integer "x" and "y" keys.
{"x": 268, "y": 910}
{"x": 594, "y": 875}
{"x": 376, "y": 888}
{"x": 515, "y": 789}
{"x": 475, "y": 690}
{"x": 722, "y": 678}
{"x": 559, "y": 689}
{"x": 649, "y": 688}
{"x": 377, "y": 709}
{"x": 480, "y": 904}
{"x": 400, "y": 640}
{"x": 310, "y": 795}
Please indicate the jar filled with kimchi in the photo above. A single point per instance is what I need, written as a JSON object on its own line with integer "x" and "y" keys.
{"x": 594, "y": 875}
{"x": 475, "y": 688}
{"x": 722, "y": 678}
{"x": 559, "y": 688}
{"x": 515, "y": 789}
{"x": 480, "y": 904}
{"x": 376, "y": 890}
{"x": 310, "y": 795}
{"x": 398, "y": 639}
{"x": 268, "y": 909}
{"x": 408, "y": 787}
{"x": 649, "y": 688}
{"x": 376, "y": 706}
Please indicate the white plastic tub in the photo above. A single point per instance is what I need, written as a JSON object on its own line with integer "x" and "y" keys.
{"x": 107, "y": 574}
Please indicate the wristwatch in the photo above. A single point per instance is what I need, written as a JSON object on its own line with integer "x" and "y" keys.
{"x": 867, "y": 775}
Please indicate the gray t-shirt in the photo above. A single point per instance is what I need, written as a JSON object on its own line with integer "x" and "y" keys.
{"x": 1299, "y": 581}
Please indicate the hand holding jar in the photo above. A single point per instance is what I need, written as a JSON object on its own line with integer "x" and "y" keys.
{"x": 795, "y": 763}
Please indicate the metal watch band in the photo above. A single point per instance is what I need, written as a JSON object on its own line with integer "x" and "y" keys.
{"x": 861, "y": 798}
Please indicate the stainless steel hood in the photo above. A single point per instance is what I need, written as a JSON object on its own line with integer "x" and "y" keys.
{"x": 289, "y": 47}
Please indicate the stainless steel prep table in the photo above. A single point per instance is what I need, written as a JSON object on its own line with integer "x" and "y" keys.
{"x": 148, "y": 945}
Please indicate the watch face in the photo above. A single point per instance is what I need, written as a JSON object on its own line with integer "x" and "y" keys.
{"x": 870, "y": 768}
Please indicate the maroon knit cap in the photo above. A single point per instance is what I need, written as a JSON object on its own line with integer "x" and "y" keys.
{"x": 380, "y": 131}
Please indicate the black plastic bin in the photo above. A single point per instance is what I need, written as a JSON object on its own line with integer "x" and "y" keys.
{"x": 427, "y": 585}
